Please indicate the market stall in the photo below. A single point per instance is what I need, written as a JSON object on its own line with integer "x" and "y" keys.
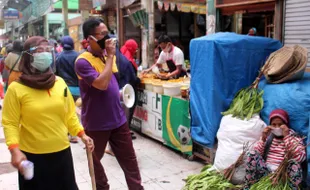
{"x": 162, "y": 113}
{"x": 250, "y": 115}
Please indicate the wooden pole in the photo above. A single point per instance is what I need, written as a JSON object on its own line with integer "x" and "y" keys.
{"x": 91, "y": 168}
{"x": 278, "y": 21}
{"x": 211, "y": 17}
{"x": 65, "y": 16}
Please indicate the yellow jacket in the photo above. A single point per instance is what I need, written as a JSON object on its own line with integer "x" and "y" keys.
{"x": 96, "y": 62}
{"x": 38, "y": 121}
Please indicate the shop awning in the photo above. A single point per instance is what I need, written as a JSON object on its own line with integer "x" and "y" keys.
{"x": 18, "y": 5}
{"x": 229, "y": 7}
{"x": 182, "y": 6}
{"x": 112, "y": 4}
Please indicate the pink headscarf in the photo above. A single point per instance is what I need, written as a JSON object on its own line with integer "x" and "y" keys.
{"x": 282, "y": 114}
{"x": 129, "y": 50}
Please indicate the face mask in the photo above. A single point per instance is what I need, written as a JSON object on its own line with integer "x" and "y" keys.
{"x": 167, "y": 49}
{"x": 101, "y": 42}
{"x": 277, "y": 132}
{"x": 42, "y": 61}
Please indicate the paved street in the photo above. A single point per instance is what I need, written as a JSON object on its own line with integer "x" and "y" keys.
{"x": 161, "y": 168}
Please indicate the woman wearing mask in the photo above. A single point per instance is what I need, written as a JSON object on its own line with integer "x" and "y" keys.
{"x": 12, "y": 61}
{"x": 172, "y": 56}
{"x": 270, "y": 151}
{"x": 40, "y": 109}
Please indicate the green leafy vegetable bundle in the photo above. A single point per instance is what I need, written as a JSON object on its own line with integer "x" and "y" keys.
{"x": 248, "y": 101}
{"x": 208, "y": 179}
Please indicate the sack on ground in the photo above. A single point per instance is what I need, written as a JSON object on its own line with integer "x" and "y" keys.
{"x": 232, "y": 135}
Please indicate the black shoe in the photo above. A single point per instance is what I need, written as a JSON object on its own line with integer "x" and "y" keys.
{"x": 133, "y": 137}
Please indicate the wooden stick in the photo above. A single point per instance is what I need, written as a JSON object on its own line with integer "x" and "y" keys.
{"x": 91, "y": 168}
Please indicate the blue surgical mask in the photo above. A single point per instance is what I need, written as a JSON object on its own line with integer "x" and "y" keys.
{"x": 42, "y": 61}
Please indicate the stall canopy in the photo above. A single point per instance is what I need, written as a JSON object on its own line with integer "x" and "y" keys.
{"x": 222, "y": 64}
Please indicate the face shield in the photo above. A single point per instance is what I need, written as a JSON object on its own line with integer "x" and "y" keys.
{"x": 43, "y": 57}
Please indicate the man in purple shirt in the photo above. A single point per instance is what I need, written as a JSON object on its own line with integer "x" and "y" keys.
{"x": 102, "y": 115}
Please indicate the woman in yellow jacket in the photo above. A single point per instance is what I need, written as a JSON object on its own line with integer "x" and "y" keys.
{"x": 38, "y": 112}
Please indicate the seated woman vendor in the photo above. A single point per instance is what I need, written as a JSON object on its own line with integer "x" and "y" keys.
{"x": 269, "y": 152}
{"x": 171, "y": 55}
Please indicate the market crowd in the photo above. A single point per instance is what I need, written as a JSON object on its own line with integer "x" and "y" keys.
{"x": 42, "y": 82}
{"x": 44, "y": 78}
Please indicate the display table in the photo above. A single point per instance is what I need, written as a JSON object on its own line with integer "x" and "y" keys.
{"x": 165, "y": 119}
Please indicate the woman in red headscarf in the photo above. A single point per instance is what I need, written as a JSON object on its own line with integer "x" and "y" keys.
{"x": 270, "y": 151}
{"x": 129, "y": 49}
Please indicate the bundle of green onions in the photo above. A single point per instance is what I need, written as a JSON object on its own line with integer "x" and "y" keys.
{"x": 208, "y": 179}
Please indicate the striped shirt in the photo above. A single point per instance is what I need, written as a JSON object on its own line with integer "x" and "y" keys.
{"x": 279, "y": 146}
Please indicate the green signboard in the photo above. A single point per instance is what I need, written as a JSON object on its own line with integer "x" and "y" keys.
{"x": 176, "y": 124}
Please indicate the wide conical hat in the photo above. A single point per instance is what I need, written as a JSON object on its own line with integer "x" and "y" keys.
{"x": 297, "y": 67}
{"x": 280, "y": 61}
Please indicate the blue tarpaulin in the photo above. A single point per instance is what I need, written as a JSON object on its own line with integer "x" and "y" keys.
{"x": 293, "y": 97}
{"x": 222, "y": 64}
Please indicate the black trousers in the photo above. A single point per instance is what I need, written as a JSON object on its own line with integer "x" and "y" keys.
{"x": 53, "y": 171}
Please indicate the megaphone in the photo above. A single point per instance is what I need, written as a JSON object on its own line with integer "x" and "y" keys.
{"x": 127, "y": 95}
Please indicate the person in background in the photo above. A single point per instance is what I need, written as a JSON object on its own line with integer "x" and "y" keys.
{"x": 38, "y": 112}
{"x": 0, "y": 51}
{"x": 102, "y": 114}
{"x": 252, "y": 32}
{"x": 3, "y": 50}
{"x": 171, "y": 55}
{"x": 59, "y": 47}
{"x": 84, "y": 45}
{"x": 6, "y": 46}
{"x": 270, "y": 151}
{"x": 6, "y": 73}
{"x": 12, "y": 61}
{"x": 129, "y": 50}
{"x": 65, "y": 64}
